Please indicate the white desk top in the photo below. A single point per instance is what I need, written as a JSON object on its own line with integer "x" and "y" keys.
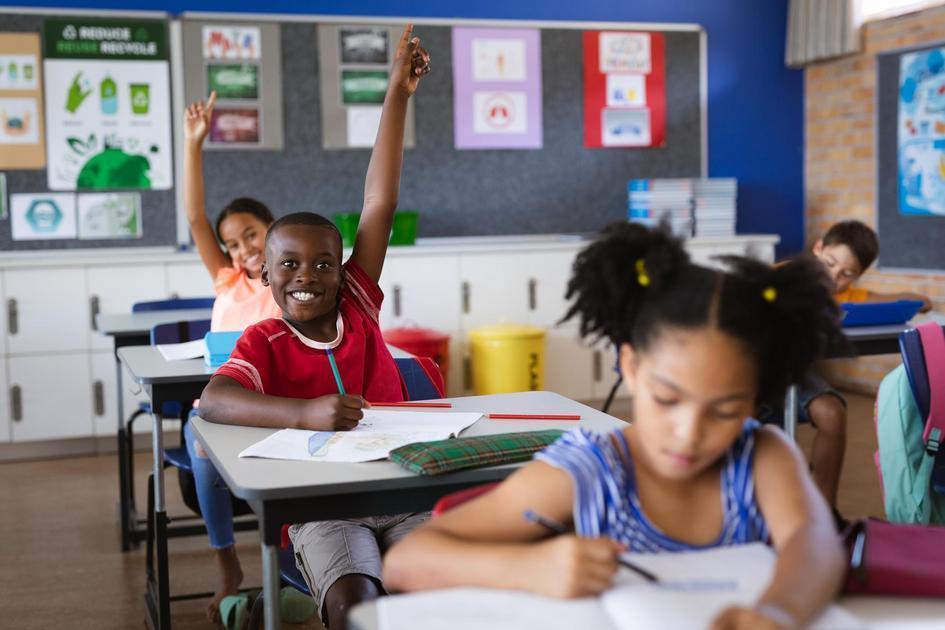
{"x": 122, "y": 324}
{"x": 253, "y": 478}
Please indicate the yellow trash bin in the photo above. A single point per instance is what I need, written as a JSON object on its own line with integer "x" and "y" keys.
{"x": 507, "y": 358}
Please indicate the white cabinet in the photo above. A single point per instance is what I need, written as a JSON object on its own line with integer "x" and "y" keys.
{"x": 105, "y": 396}
{"x": 189, "y": 280}
{"x": 116, "y": 289}
{"x": 52, "y": 395}
{"x": 547, "y": 283}
{"x": 421, "y": 291}
{"x": 494, "y": 289}
{"x": 604, "y": 371}
{"x": 5, "y": 411}
{"x": 568, "y": 364}
{"x": 49, "y": 311}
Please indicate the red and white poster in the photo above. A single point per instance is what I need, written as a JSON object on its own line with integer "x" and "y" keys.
{"x": 624, "y": 89}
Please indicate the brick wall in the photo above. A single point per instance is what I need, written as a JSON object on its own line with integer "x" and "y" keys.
{"x": 840, "y": 163}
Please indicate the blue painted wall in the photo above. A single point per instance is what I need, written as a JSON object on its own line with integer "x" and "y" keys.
{"x": 755, "y": 102}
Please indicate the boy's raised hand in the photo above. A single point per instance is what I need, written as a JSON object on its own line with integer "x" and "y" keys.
{"x": 197, "y": 119}
{"x": 411, "y": 61}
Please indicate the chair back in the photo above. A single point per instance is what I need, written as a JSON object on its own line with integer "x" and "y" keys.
{"x": 422, "y": 378}
{"x": 175, "y": 304}
{"x": 178, "y": 332}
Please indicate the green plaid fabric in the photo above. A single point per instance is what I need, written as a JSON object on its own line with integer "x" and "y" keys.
{"x": 434, "y": 458}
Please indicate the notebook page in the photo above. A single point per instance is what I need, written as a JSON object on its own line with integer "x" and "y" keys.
{"x": 182, "y": 351}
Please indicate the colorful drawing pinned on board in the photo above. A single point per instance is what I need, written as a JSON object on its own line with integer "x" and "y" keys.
{"x": 107, "y": 105}
{"x": 231, "y": 42}
{"x": 364, "y": 44}
{"x": 363, "y": 86}
{"x": 497, "y": 88}
{"x": 921, "y": 133}
{"x": 233, "y": 81}
{"x": 21, "y": 97}
{"x": 43, "y": 216}
{"x": 624, "y": 89}
{"x": 235, "y": 125}
{"x": 107, "y": 216}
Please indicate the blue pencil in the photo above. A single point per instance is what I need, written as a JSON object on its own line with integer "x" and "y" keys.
{"x": 334, "y": 370}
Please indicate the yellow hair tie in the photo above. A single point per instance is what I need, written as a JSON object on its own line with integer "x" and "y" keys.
{"x": 770, "y": 294}
{"x": 642, "y": 277}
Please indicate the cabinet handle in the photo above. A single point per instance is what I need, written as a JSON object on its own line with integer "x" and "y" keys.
{"x": 98, "y": 395}
{"x": 16, "y": 403}
{"x": 467, "y": 374}
{"x": 94, "y": 306}
{"x": 13, "y": 316}
{"x": 465, "y": 297}
{"x": 598, "y": 366}
{"x": 532, "y": 294}
{"x": 396, "y": 300}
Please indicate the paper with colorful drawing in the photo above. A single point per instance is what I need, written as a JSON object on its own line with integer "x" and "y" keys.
{"x": 378, "y": 433}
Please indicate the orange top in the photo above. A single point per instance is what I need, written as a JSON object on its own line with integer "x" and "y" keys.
{"x": 241, "y": 301}
{"x": 853, "y": 294}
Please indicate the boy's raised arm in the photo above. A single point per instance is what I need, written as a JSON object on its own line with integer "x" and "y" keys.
{"x": 382, "y": 184}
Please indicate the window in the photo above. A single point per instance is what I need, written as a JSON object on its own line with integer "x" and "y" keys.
{"x": 867, "y": 10}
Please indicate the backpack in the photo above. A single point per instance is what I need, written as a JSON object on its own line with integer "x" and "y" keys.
{"x": 910, "y": 426}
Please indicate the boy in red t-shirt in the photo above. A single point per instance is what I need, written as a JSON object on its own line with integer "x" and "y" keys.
{"x": 279, "y": 374}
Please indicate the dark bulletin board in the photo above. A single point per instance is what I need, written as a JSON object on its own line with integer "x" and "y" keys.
{"x": 158, "y": 218}
{"x": 907, "y": 242}
{"x": 560, "y": 188}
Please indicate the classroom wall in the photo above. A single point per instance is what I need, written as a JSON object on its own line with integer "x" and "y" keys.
{"x": 840, "y": 162}
{"x": 755, "y": 102}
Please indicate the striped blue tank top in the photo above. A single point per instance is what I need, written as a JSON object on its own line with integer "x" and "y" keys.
{"x": 606, "y": 501}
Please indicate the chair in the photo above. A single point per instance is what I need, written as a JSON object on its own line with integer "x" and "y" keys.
{"x": 173, "y": 304}
{"x": 913, "y": 359}
{"x": 617, "y": 383}
{"x": 424, "y": 382}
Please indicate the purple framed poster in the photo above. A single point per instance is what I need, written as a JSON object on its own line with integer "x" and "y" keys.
{"x": 497, "y": 88}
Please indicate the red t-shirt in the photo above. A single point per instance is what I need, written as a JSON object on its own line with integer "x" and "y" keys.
{"x": 273, "y": 358}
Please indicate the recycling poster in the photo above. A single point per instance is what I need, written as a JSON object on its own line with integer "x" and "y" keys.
{"x": 21, "y": 98}
{"x": 107, "y": 105}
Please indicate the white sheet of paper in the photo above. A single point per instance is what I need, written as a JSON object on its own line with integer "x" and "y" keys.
{"x": 42, "y": 216}
{"x": 363, "y": 123}
{"x": 378, "y": 433}
{"x": 498, "y": 59}
{"x": 181, "y": 351}
{"x": 694, "y": 588}
{"x": 624, "y": 52}
{"x": 626, "y": 90}
{"x": 500, "y": 112}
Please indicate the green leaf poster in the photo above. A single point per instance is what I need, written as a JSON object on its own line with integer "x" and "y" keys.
{"x": 107, "y": 105}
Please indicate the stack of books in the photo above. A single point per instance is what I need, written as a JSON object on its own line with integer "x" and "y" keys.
{"x": 651, "y": 201}
{"x": 714, "y": 206}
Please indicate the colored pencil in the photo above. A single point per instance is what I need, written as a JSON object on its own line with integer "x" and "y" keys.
{"x": 334, "y": 370}
{"x": 408, "y": 403}
{"x": 532, "y": 416}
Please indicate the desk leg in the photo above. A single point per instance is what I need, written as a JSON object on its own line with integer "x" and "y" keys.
{"x": 124, "y": 482}
{"x": 160, "y": 523}
{"x": 270, "y": 570}
{"x": 790, "y": 412}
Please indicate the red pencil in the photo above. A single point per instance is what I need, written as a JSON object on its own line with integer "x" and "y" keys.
{"x": 408, "y": 403}
{"x": 532, "y": 416}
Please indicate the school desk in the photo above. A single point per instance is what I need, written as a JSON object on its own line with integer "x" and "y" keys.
{"x": 133, "y": 329}
{"x": 281, "y": 492}
{"x": 165, "y": 381}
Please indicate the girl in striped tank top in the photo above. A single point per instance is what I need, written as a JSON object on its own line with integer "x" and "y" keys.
{"x": 699, "y": 350}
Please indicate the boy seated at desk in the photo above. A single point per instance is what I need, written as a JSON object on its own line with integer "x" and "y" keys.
{"x": 846, "y": 251}
{"x": 316, "y": 366}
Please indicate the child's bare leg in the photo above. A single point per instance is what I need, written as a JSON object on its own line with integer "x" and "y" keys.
{"x": 229, "y": 576}
{"x": 829, "y": 415}
{"x": 347, "y": 592}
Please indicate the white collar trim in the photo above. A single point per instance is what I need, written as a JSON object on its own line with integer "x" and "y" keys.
{"x": 320, "y": 345}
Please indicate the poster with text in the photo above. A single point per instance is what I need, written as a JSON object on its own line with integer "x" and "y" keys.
{"x": 42, "y": 216}
{"x": 233, "y": 81}
{"x": 107, "y": 105}
{"x": 921, "y": 133}
{"x": 624, "y": 89}
{"x": 234, "y": 125}
{"x": 22, "y": 143}
{"x": 497, "y": 88}
{"x": 231, "y": 42}
{"x": 109, "y": 215}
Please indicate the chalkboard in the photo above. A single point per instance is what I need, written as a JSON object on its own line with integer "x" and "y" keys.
{"x": 158, "y": 217}
{"x": 561, "y": 187}
{"x": 906, "y": 242}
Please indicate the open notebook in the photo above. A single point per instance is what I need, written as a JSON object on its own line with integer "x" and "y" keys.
{"x": 694, "y": 587}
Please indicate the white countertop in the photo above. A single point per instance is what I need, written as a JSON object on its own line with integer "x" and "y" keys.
{"x": 424, "y": 246}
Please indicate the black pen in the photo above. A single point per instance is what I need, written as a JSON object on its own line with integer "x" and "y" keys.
{"x": 557, "y": 528}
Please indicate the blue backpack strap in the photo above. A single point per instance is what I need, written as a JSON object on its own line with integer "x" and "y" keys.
{"x": 933, "y": 346}
{"x": 913, "y": 359}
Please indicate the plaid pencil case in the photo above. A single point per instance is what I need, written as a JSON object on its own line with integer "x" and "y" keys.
{"x": 434, "y": 458}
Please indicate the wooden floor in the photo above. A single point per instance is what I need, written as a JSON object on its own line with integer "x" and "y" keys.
{"x": 61, "y": 567}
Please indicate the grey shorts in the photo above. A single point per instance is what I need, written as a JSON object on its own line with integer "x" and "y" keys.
{"x": 328, "y": 550}
{"x": 811, "y": 387}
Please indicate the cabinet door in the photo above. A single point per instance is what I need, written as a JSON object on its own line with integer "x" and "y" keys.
{"x": 116, "y": 289}
{"x": 421, "y": 291}
{"x": 105, "y": 397}
{"x": 51, "y": 310}
{"x": 6, "y": 413}
{"x": 547, "y": 283}
{"x": 568, "y": 365}
{"x": 604, "y": 371}
{"x": 54, "y": 396}
{"x": 189, "y": 280}
{"x": 493, "y": 289}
